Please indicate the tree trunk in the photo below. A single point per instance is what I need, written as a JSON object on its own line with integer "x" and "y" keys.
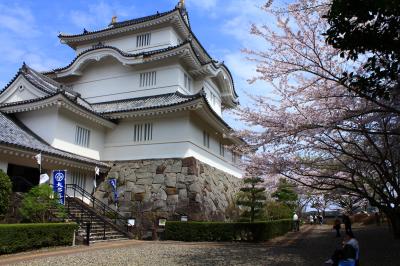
{"x": 394, "y": 219}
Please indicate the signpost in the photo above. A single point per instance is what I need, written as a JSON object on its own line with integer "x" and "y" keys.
{"x": 59, "y": 177}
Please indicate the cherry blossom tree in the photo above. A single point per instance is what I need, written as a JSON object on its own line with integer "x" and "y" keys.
{"x": 314, "y": 129}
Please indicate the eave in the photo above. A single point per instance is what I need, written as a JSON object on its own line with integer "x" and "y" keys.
{"x": 74, "y": 40}
{"x": 58, "y": 100}
{"x": 23, "y": 152}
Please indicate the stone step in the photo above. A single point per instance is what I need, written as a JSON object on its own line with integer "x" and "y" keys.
{"x": 100, "y": 233}
{"x": 113, "y": 239}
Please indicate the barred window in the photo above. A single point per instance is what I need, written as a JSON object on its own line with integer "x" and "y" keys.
{"x": 143, "y": 132}
{"x": 235, "y": 157}
{"x": 206, "y": 139}
{"x": 221, "y": 149}
{"x": 148, "y": 79}
{"x": 188, "y": 82}
{"x": 143, "y": 40}
{"x": 82, "y": 136}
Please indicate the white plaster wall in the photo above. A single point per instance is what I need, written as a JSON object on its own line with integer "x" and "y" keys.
{"x": 57, "y": 127}
{"x": 42, "y": 122}
{"x": 65, "y": 135}
{"x": 212, "y": 89}
{"x": 166, "y": 129}
{"x": 3, "y": 166}
{"x": 160, "y": 38}
{"x": 173, "y": 137}
{"x": 109, "y": 80}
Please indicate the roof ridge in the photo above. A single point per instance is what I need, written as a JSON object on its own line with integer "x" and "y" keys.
{"x": 144, "y": 53}
{"x": 149, "y": 97}
{"x": 119, "y": 24}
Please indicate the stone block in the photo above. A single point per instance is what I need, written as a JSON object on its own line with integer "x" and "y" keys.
{"x": 190, "y": 179}
{"x": 160, "y": 205}
{"x": 198, "y": 198}
{"x": 176, "y": 167}
{"x": 172, "y": 200}
{"x": 155, "y": 187}
{"x": 180, "y": 178}
{"x": 171, "y": 191}
{"x": 195, "y": 187}
{"x": 139, "y": 196}
{"x": 145, "y": 181}
{"x": 143, "y": 175}
{"x": 180, "y": 185}
{"x": 170, "y": 180}
{"x": 182, "y": 194}
{"x": 139, "y": 189}
{"x": 160, "y": 169}
{"x": 184, "y": 170}
{"x": 162, "y": 195}
{"x": 158, "y": 179}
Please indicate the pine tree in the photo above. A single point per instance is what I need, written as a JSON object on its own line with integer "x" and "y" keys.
{"x": 252, "y": 198}
{"x": 286, "y": 194}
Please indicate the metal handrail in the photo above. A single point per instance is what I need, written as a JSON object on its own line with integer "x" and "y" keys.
{"x": 98, "y": 206}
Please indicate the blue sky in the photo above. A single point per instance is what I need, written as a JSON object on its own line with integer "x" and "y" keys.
{"x": 29, "y": 29}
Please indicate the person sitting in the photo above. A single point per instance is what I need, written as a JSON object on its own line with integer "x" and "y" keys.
{"x": 347, "y": 254}
{"x": 352, "y": 241}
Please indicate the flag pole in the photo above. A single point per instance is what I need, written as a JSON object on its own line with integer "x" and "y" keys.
{"x": 40, "y": 165}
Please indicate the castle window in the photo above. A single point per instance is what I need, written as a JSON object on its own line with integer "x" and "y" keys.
{"x": 221, "y": 149}
{"x": 148, "y": 79}
{"x": 143, "y": 40}
{"x": 188, "y": 82}
{"x": 235, "y": 157}
{"x": 82, "y": 136}
{"x": 143, "y": 132}
{"x": 206, "y": 139}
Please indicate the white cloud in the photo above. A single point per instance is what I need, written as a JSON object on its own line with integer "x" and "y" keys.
{"x": 99, "y": 15}
{"x": 19, "y": 20}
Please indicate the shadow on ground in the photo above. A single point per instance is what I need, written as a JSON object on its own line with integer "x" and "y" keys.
{"x": 377, "y": 245}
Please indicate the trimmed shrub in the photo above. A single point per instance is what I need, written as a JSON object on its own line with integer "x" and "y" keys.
{"x": 219, "y": 231}
{"x": 21, "y": 237}
{"x": 5, "y": 192}
{"x": 40, "y": 205}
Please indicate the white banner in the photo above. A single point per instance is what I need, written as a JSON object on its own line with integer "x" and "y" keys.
{"x": 43, "y": 179}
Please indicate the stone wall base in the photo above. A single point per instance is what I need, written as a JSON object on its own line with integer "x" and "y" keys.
{"x": 170, "y": 188}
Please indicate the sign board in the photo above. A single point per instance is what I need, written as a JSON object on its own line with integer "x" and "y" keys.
{"x": 162, "y": 222}
{"x": 59, "y": 180}
{"x": 131, "y": 222}
{"x": 184, "y": 218}
{"x": 113, "y": 183}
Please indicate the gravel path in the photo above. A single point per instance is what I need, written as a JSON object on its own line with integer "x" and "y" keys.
{"x": 377, "y": 248}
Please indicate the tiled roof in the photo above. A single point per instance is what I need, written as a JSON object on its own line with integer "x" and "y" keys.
{"x": 119, "y": 24}
{"x": 144, "y": 103}
{"x": 148, "y": 18}
{"x": 14, "y": 133}
{"x": 40, "y": 81}
{"x": 98, "y": 47}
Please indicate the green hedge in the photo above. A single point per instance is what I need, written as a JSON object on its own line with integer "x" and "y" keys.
{"x": 219, "y": 231}
{"x": 20, "y": 237}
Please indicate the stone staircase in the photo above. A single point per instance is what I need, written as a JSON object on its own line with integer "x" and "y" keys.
{"x": 101, "y": 228}
{"x": 105, "y": 224}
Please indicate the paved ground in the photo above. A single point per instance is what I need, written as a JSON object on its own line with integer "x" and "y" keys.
{"x": 312, "y": 246}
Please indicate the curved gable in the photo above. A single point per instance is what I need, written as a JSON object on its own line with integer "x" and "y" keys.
{"x": 21, "y": 89}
